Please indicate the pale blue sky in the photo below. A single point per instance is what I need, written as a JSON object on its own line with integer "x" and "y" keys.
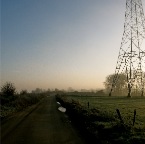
{"x": 60, "y": 43}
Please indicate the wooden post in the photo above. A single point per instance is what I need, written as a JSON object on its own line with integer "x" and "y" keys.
{"x": 119, "y": 115}
{"x": 88, "y": 105}
{"x": 134, "y": 117}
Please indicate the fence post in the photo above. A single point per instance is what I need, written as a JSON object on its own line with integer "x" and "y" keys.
{"x": 134, "y": 117}
{"x": 88, "y": 105}
{"x": 119, "y": 115}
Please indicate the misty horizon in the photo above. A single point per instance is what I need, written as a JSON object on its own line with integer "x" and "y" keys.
{"x": 60, "y": 44}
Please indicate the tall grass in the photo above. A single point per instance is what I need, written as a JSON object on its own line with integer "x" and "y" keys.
{"x": 18, "y": 103}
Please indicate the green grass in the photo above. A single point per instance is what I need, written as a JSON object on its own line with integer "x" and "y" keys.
{"x": 110, "y": 104}
{"x": 101, "y": 121}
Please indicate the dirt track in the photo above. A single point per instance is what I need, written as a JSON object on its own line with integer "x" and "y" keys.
{"x": 41, "y": 124}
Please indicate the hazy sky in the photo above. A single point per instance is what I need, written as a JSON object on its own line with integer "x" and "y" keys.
{"x": 60, "y": 43}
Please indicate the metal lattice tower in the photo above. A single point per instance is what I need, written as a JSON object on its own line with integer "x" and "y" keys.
{"x": 131, "y": 59}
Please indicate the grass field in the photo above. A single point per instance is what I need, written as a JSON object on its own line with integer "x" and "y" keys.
{"x": 101, "y": 121}
{"x": 109, "y": 105}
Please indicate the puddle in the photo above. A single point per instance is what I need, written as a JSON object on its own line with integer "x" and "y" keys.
{"x": 62, "y": 109}
{"x": 58, "y": 103}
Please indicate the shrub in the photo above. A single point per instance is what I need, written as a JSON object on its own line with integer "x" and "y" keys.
{"x": 8, "y": 91}
{"x": 23, "y": 92}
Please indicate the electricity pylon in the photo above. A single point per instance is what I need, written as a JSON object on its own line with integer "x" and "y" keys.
{"x": 131, "y": 59}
